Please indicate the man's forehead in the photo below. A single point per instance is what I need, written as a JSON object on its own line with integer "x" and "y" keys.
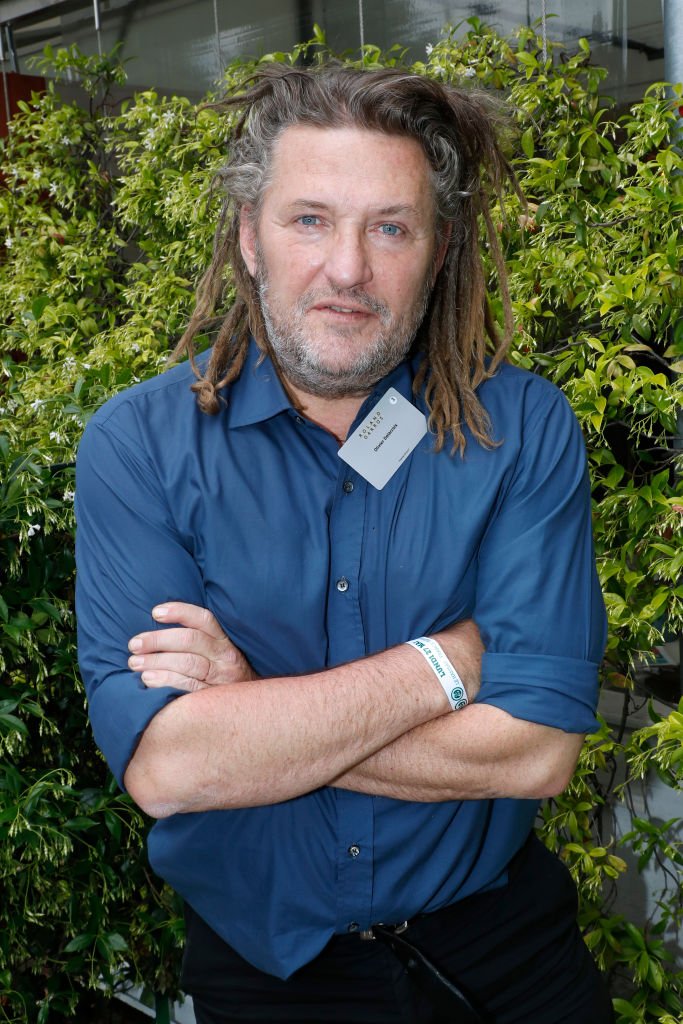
{"x": 391, "y": 170}
{"x": 299, "y": 137}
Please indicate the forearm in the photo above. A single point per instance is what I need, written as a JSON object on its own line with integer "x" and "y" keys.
{"x": 479, "y": 752}
{"x": 261, "y": 742}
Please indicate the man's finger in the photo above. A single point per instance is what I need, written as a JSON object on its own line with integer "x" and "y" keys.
{"x": 183, "y": 640}
{"x": 191, "y": 615}
{"x": 192, "y": 665}
{"x": 157, "y": 678}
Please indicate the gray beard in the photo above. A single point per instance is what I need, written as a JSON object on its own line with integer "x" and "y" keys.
{"x": 299, "y": 362}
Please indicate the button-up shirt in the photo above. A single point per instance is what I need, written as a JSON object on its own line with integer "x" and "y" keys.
{"x": 252, "y": 514}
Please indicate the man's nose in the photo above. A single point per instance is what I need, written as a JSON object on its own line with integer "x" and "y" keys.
{"x": 347, "y": 263}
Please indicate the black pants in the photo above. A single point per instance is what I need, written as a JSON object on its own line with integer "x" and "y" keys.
{"x": 516, "y": 952}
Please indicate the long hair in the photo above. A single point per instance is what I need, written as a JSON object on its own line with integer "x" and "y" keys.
{"x": 459, "y": 131}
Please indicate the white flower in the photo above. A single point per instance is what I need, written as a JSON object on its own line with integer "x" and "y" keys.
{"x": 135, "y": 347}
{"x": 469, "y": 72}
{"x": 36, "y": 403}
{"x": 21, "y": 297}
{"x": 36, "y": 173}
{"x": 53, "y": 188}
{"x": 428, "y": 49}
{"x": 69, "y": 495}
{"x": 65, "y": 140}
{"x": 54, "y": 435}
{"x": 9, "y": 242}
{"x": 33, "y": 529}
{"x": 69, "y": 363}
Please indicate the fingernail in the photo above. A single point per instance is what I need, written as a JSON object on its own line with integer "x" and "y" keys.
{"x": 136, "y": 663}
{"x": 160, "y": 612}
{"x": 135, "y": 644}
{"x": 148, "y": 677}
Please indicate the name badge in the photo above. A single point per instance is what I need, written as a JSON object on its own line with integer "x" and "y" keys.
{"x": 384, "y": 439}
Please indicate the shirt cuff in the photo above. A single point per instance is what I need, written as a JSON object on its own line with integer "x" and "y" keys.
{"x": 560, "y": 692}
{"x": 120, "y": 710}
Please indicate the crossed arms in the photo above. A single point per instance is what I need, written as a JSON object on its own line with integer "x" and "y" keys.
{"x": 379, "y": 725}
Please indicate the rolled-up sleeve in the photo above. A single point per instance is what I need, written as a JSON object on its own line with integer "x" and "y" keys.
{"x": 539, "y": 607}
{"x": 129, "y": 558}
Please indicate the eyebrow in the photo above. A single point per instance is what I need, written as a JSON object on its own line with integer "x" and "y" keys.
{"x": 396, "y": 209}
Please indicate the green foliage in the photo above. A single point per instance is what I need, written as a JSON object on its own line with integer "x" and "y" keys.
{"x": 104, "y": 227}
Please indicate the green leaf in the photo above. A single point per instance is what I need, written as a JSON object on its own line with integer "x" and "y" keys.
{"x": 79, "y": 824}
{"x": 526, "y": 58}
{"x": 12, "y": 723}
{"x": 78, "y": 943}
{"x": 527, "y": 142}
{"x": 635, "y": 935}
{"x": 625, "y": 1009}
{"x": 116, "y": 942}
{"x": 39, "y": 305}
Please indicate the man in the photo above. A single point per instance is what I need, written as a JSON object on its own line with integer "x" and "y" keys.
{"x": 351, "y": 841}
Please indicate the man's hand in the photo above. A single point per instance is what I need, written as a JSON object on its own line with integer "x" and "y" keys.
{"x": 336, "y": 727}
{"x": 195, "y": 656}
{"x": 201, "y": 654}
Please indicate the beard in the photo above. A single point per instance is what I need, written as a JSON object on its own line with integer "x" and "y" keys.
{"x": 303, "y": 361}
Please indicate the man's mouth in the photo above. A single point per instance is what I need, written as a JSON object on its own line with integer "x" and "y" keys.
{"x": 332, "y": 307}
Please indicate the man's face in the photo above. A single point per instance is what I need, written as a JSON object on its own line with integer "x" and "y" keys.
{"x": 344, "y": 253}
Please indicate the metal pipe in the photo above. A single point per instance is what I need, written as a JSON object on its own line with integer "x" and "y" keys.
{"x": 544, "y": 29}
{"x": 96, "y": 12}
{"x": 672, "y": 15}
{"x": 9, "y": 41}
{"x": 219, "y": 55}
{"x": 5, "y": 82}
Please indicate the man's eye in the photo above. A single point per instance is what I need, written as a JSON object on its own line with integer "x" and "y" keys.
{"x": 390, "y": 229}
{"x": 309, "y": 220}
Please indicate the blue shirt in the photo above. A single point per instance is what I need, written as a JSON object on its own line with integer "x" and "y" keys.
{"x": 252, "y": 513}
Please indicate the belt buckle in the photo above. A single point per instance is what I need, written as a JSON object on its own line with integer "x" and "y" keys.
{"x": 367, "y": 934}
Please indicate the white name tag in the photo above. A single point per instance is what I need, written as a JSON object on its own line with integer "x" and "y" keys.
{"x": 384, "y": 439}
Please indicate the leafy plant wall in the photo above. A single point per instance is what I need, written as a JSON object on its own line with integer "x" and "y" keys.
{"x": 104, "y": 227}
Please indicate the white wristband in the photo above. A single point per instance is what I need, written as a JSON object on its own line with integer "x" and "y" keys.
{"x": 433, "y": 653}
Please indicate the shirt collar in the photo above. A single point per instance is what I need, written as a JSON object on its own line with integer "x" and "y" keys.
{"x": 257, "y": 394}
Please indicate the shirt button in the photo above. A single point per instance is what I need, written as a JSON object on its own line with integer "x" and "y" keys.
{"x": 353, "y": 927}
{"x": 354, "y": 850}
{"x": 347, "y": 486}
{"x": 299, "y": 419}
{"x": 342, "y": 585}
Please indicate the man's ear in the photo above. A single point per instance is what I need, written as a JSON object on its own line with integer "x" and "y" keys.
{"x": 248, "y": 238}
{"x": 442, "y": 248}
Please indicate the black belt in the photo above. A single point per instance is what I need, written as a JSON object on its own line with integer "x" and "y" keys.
{"x": 451, "y": 1003}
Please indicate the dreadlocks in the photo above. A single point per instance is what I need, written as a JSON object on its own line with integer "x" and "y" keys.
{"x": 459, "y": 132}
